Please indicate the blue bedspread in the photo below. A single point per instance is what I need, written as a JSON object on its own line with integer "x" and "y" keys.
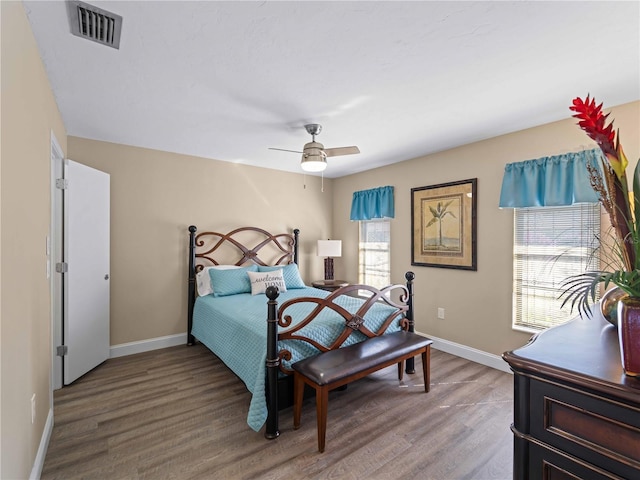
{"x": 235, "y": 329}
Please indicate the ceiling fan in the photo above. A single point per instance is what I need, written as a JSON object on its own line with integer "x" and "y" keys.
{"x": 314, "y": 155}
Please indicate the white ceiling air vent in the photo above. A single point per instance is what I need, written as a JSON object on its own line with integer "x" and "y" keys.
{"x": 95, "y": 24}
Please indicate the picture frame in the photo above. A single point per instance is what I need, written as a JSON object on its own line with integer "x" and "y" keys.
{"x": 444, "y": 225}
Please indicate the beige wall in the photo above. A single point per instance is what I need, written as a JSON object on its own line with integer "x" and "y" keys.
{"x": 477, "y": 304}
{"x": 29, "y": 114}
{"x": 156, "y": 195}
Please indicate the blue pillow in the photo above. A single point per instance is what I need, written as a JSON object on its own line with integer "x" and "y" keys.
{"x": 290, "y": 273}
{"x": 231, "y": 282}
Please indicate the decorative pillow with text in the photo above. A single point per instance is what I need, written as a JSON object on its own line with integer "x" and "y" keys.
{"x": 261, "y": 280}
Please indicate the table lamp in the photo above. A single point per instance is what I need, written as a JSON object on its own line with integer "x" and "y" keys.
{"x": 329, "y": 249}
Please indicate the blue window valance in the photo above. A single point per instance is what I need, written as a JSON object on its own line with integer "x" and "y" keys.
{"x": 373, "y": 203}
{"x": 550, "y": 181}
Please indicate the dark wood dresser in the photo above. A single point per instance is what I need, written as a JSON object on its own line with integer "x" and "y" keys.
{"x": 576, "y": 415}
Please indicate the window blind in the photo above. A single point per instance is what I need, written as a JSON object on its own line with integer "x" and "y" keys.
{"x": 551, "y": 244}
{"x": 374, "y": 255}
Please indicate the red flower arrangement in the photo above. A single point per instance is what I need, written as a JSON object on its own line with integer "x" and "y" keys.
{"x": 610, "y": 183}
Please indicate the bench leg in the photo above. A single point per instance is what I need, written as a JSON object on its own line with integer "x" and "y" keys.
{"x": 426, "y": 368}
{"x": 298, "y": 390}
{"x": 322, "y": 401}
{"x": 400, "y": 365}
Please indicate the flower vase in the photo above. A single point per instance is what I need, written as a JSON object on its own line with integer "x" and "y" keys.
{"x": 629, "y": 334}
{"x": 609, "y": 304}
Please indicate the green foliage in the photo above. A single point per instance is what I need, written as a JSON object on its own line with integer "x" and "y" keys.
{"x": 580, "y": 290}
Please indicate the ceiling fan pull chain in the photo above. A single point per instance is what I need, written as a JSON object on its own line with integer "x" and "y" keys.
{"x": 322, "y": 184}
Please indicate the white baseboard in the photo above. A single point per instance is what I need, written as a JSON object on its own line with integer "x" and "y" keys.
{"x": 142, "y": 346}
{"x": 36, "y": 471}
{"x": 478, "y": 356}
{"x": 469, "y": 353}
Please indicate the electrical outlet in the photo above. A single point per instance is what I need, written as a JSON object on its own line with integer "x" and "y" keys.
{"x": 33, "y": 408}
{"x": 441, "y": 313}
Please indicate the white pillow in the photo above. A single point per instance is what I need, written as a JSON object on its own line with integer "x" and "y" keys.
{"x": 203, "y": 280}
{"x": 261, "y": 280}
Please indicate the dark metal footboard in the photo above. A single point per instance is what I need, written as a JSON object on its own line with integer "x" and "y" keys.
{"x": 273, "y": 355}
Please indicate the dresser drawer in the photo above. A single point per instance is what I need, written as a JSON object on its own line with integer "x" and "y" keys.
{"x": 549, "y": 464}
{"x": 587, "y": 426}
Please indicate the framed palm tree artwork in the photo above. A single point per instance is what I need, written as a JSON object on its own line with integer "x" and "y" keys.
{"x": 443, "y": 225}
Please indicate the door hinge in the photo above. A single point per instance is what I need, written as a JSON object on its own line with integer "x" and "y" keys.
{"x": 62, "y": 183}
{"x": 61, "y": 350}
{"x": 62, "y": 267}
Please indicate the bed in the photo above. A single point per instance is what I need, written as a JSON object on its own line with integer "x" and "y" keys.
{"x": 249, "y": 306}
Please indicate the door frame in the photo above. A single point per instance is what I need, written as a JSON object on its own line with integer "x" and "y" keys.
{"x": 55, "y": 247}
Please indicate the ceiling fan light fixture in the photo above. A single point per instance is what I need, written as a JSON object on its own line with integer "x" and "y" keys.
{"x": 313, "y": 163}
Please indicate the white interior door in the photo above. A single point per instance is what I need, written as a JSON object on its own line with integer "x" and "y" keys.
{"x": 86, "y": 281}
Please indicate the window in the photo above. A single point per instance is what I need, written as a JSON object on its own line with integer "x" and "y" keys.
{"x": 550, "y": 244}
{"x": 374, "y": 265}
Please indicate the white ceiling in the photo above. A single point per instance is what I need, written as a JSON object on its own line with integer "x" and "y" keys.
{"x": 227, "y": 80}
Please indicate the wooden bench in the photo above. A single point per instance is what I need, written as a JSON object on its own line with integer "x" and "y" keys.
{"x": 335, "y": 368}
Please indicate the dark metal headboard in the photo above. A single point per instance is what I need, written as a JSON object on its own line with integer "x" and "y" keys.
{"x": 206, "y": 248}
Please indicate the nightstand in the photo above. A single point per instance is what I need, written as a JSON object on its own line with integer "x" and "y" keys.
{"x": 329, "y": 285}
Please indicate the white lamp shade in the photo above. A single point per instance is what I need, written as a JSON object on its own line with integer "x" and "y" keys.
{"x": 329, "y": 248}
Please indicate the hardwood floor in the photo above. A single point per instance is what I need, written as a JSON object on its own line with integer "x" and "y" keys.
{"x": 179, "y": 413}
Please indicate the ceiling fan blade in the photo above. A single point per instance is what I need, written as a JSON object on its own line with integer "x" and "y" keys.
{"x": 284, "y": 150}
{"x": 334, "y": 152}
